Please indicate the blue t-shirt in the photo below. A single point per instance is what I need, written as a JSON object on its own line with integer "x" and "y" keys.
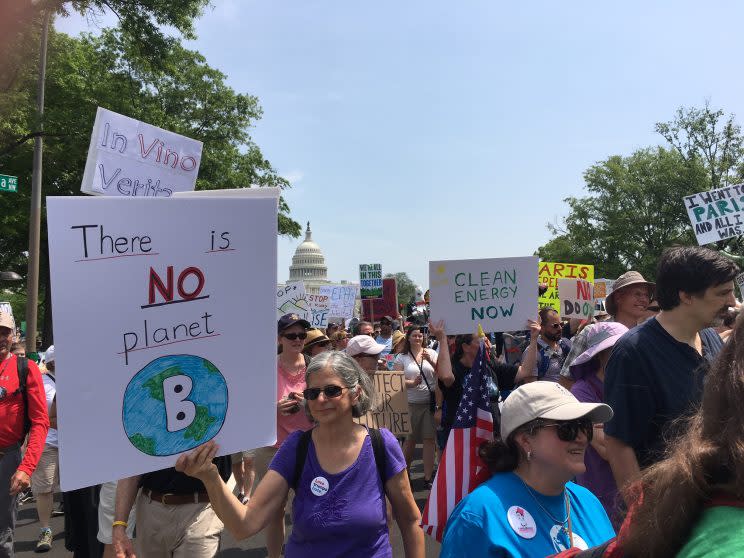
{"x": 388, "y": 342}
{"x": 501, "y": 518}
{"x": 343, "y": 514}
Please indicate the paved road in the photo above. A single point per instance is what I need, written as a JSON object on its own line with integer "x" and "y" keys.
{"x": 28, "y": 529}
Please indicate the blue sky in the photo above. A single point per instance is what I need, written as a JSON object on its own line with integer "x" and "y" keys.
{"x": 416, "y": 131}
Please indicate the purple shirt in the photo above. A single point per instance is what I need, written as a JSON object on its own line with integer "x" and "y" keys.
{"x": 342, "y": 514}
{"x": 598, "y": 477}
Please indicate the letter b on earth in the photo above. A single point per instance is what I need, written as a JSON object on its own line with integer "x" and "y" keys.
{"x": 179, "y": 411}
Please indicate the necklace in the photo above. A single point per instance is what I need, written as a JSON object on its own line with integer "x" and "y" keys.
{"x": 566, "y": 523}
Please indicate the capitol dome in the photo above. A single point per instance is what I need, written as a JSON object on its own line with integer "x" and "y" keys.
{"x": 308, "y": 264}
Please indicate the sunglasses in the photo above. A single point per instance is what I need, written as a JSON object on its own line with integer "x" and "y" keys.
{"x": 331, "y": 392}
{"x": 556, "y": 326}
{"x": 568, "y": 430}
{"x": 365, "y": 355}
{"x": 293, "y": 336}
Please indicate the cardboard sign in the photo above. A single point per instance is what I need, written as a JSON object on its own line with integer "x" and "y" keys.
{"x": 341, "y": 300}
{"x": 375, "y": 308}
{"x": 392, "y": 412}
{"x": 549, "y": 273}
{"x": 499, "y": 294}
{"x": 156, "y": 294}
{"x": 370, "y": 281}
{"x": 290, "y": 299}
{"x": 576, "y": 298}
{"x": 717, "y": 214}
{"x": 130, "y": 158}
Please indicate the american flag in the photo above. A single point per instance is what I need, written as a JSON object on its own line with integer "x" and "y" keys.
{"x": 460, "y": 468}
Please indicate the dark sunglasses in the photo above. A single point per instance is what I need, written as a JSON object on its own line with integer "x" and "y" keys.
{"x": 568, "y": 430}
{"x": 556, "y": 326}
{"x": 293, "y": 336}
{"x": 331, "y": 392}
{"x": 365, "y": 355}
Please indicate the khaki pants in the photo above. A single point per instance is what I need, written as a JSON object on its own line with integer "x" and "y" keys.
{"x": 185, "y": 531}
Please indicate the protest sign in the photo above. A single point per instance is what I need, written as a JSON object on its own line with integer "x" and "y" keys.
{"x": 549, "y": 274}
{"x": 341, "y": 300}
{"x": 576, "y": 298}
{"x": 290, "y": 299}
{"x": 370, "y": 281}
{"x": 717, "y": 214}
{"x": 499, "y": 294}
{"x": 603, "y": 287}
{"x": 392, "y": 410}
{"x": 128, "y": 158}
{"x": 318, "y": 305}
{"x": 375, "y": 308}
{"x": 163, "y": 290}
{"x": 740, "y": 282}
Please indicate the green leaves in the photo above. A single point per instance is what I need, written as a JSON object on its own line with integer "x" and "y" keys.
{"x": 633, "y": 212}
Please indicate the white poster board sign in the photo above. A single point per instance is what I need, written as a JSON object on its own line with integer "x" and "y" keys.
{"x": 716, "y": 214}
{"x": 576, "y": 298}
{"x": 318, "y": 305}
{"x": 151, "y": 298}
{"x": 130, "y": 158}
{"x": 342, "y": 300}
{"x": 500, "y": 294}
{"x": 290, "y": 299}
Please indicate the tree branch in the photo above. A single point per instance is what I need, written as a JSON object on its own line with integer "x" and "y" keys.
{"x": 27, "y": 137}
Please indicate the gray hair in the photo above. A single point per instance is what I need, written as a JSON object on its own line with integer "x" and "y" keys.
{"x": 350, "y": 373}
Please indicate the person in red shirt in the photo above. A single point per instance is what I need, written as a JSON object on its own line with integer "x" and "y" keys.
{"x": 15, "y": 474}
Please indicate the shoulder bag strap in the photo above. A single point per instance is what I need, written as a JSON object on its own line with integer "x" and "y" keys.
{"x": 421, "y": 368}
{"x": 378, "y": 447}
{"x": 300, "y": 456}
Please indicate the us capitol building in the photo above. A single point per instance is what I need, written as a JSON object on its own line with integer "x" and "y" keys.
{"x": 308, "y": 265}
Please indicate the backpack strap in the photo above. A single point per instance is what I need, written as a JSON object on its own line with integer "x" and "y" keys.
{"x": 300, "y": 456}
{"x": 378, "y": 447}
{"x": 22, "y": 368}
{"x": 543, "y": 363}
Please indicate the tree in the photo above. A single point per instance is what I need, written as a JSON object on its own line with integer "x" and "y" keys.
{"x": 20, "y": 22}
{"x": 633, "y": 211}
{"x": 405, "y": 287}
{"x": 709, "y": 137}
{"x": 182, "y": 93}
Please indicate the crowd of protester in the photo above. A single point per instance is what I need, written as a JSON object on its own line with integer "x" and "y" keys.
{"x": 627, "y": 422}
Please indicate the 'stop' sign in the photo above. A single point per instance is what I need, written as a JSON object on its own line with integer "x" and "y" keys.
{"x": 127, "y": 157}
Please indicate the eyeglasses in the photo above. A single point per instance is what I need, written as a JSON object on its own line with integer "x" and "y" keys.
{"x": 569, "y": 430}
{"x": 293, "y": 336}
{"x": 365, "y": 355}
{"x": 331, "y": 392}
{"x": 555, "y": 326}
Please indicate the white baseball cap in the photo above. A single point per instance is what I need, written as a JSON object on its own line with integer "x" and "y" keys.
{"x": 547, "y": 400}
{"x": 363, "y": 344}
{"x": 49, "y": 354}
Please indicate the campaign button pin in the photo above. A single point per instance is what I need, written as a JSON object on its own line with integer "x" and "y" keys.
{"x": 522, "y": 522}
{"x": 319, "y": 486}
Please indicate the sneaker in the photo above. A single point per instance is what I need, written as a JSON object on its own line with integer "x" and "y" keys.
{"x": 25, "y": 496}
{"x": 45, "y": 541}
{"x": 243, "y": 498}
{"x": 59, "y": 511}
{"x": 428, "y": 483}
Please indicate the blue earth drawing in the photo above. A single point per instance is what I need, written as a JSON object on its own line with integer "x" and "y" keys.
{"x": 193, "y": 388}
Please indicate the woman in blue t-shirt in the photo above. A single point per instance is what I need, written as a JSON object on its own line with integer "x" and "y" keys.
{"x": 340, "y": 483}
{"x": 529, "y": 508}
